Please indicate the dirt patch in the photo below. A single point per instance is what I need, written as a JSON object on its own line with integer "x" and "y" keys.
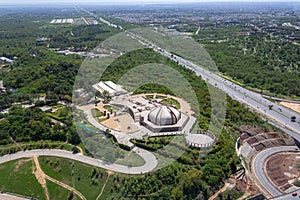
{"x": 40, "y": 176}
{"x": 21, "y": 162}
{"x": 247, "y": 186}
{"x": 292, "y": 106}
{"x": 111, "y": 123}
{"x": 281, "y": 168}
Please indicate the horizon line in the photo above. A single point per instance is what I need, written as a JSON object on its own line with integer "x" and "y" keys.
{"x": 128, "y": 2}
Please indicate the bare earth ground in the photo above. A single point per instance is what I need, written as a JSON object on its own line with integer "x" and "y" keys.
{"x": 20, "y": 162}
{"x": 292, "y": 106}
{"x": 247, "y": 186}
{"x": 40, "y": 176}
{"x": 281, "y": 168}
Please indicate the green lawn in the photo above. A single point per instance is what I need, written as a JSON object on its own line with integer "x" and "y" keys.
{"x": 86, "y": 179}
{"x": 150, "y": 96}
{"x": 112, "y": 190}
{"x": 97, "y": 113}
{"x": 17, "y": 177}
{"x": 160, "y": 97}
{"x": 171, "y": 102}
{"x": 131, "y": 159}
{"x": 57, "y": 192}
{"x": 109, "y": 107}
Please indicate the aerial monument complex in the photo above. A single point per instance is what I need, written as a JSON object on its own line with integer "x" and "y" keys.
{"x": 147, "y": 115}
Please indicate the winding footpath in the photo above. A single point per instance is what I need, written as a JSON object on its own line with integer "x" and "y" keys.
{"x": 150, "y": 160}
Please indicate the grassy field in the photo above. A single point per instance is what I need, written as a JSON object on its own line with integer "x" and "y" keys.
{"x": 171, "y": 102}
{"x": 57, "y": 192}
{"x": 110, "y": 192}
{"x": 96, "y": 113}
{"x": 17, "y": 177}
{"x": 131, "y": 159}
{"x": 86, "y": 179}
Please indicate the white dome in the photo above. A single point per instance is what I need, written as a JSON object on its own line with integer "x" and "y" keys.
{"x": 164, "y": 115}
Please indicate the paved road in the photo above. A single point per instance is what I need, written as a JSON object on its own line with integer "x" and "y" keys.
{"x": 150, "y": 159}
{"x": 11, "y": 197}
{"x": 278, "y": 114}
{"x": 288, "y": 196}
{"x": 273, "y": 111}
{"x": 122, "y": 138}
{"x": 258, "y": 166}
{"x": 281, "y": 99}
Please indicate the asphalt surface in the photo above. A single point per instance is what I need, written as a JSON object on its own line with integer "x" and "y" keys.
{"x": 273, "y": 111}
{"x": 11, "y": 197}
{"x": 288, "y": 196}
{"x": 150, "y": 160}
{"x": 258, "y": 166}
{"x": 278, "y": 114}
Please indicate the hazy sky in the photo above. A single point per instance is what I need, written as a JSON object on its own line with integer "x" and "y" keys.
{"x": 136, "y": 1}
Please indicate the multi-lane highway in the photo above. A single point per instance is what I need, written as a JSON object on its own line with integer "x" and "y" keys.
{"x": 274, "y": 112}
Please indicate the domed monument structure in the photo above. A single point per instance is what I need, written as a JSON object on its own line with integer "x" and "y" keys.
{"x": 164, "y": 116}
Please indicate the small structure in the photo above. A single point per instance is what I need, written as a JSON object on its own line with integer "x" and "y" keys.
{"x": 201, "y": 140}
{"x": 2, "y": 88}
{"x": 4, "y": 60}
{"x": 41, "y": 41}
{"x": 109, "y": 86}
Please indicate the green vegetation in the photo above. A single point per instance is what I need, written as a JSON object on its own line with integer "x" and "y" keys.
{"x": 97, "y": 113}
{"x": 40, "y": 72}
{"x": 232, "y": 194}
{"x": 57, "y": 192}
{"x": 86, "y": 179}
{"x": 131, "y": 159}
{"x": 257, "y": 60}
{"x": 150, "y": 96}
{"x": 17, "y": 177}
{"x": 109, "y": 108}
{"x": 38, "y": 69}
{"x": 12, "y": 148}
{"x": 160, "y": 97}
{"x": 64, "y": 115}
{"x": 171, "y": 102}
{"x": 25, "y": 125}
{"x": 297, "y": 183}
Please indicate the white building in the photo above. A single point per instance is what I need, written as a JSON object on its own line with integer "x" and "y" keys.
{"x": 109, "y": 86}
{"x": 6, "y": 60}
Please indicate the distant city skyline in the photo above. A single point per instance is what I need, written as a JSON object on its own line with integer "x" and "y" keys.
{"x": 132, "y": 1}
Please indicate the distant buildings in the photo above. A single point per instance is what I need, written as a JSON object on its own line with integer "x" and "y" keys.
{"x": 62, "y": 21}
{"x": 42, "y": 41}
{"x": 81, "y": 20}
